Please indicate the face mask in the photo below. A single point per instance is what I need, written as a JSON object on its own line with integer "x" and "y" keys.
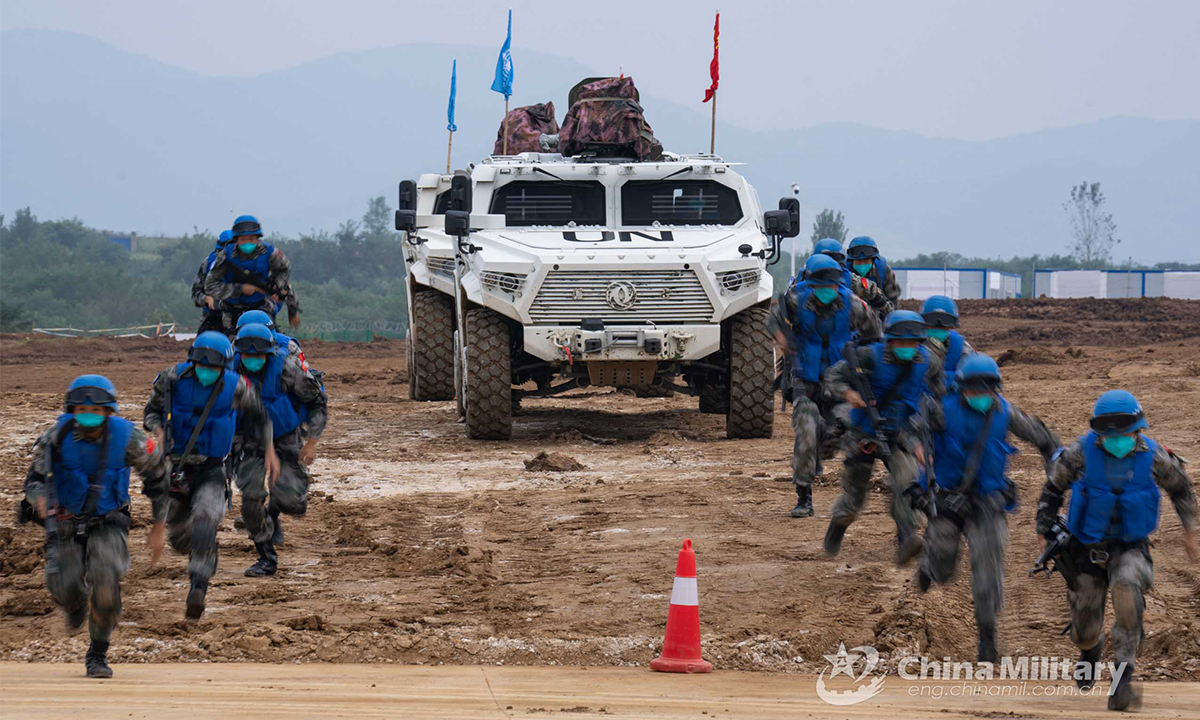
{"x": 247, "y": 248}
{"x": 980, "y": 403}
{"x": 904, "y": 354}
{"x": 90, "y": 420}
{"x": 254, "y": 364}
{"x": 825, "y": 295}
{"x": 862, "y": 269}
{"x": 1119, "y": 446}
{"x": 207, "y": 375}
{"x": 939, "y": 334}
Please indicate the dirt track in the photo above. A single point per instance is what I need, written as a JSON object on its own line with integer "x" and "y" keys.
{"x": 422, "y": 547}
{"x": 200, "y": 692}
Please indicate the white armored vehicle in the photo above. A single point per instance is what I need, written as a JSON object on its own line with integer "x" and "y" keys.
{"x": 536, "y": 274}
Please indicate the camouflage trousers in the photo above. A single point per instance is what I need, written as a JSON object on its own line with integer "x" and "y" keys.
{"x": 856, "y": 480}
{"x": 986, "y": 531}
{"x": 817, "y": 429}
{"x": 194, "y": 518}
{"x": 290, "y": 494}
{"x": 1129, "y": 573}
{"x": 90, "y": 567}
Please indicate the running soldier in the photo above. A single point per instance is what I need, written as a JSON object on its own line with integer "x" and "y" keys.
{"x": 810, "y": 326}
{"x": 1114, "y": 473}
{"x": 874, "y": 277}
{"x": 78, "y": 487}
{"x": 250, "y": 274}
{"x": 968, "y": 432}
{"x": 942, "y": 338}
{"x": 194, "y": 411}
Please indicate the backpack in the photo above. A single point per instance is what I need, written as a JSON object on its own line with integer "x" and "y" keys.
{"x": 606, "y": 119}
{"x": 526, "y": 126}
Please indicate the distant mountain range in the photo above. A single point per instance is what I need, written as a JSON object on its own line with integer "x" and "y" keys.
{"x": 125, "y": 142}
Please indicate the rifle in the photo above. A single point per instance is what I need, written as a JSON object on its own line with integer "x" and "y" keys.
{"x": 862, "y": 385}
{"x": 926, "y": 500}
{"x": 244, "y": 276}
{"x": 1056, "y": 541}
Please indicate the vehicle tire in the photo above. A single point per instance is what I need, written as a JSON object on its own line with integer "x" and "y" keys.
{"x": 488, "y": 377}
{"x": 432, "y": 340}
{"x": 714, "y": 400}
{"x": 653, "y": 391}
{"x": 751, "y": 370}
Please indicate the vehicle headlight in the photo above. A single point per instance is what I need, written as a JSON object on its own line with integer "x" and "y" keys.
{"x": 508, "y": 283}
{"x": 738, "y": 281}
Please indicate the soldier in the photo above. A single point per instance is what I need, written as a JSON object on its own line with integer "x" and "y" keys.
{"x": 211, "y": 319}
{"x": 832, "y": 248}
{"x": 1114, "y": 473}
{"x": 291, "y": 396}
{"x": 876, "y": 281}
{"x": 250, "y": 274}
{"x": 942, "y": 338}
{"x": 194, "y": 411}
{"x": 972, "y": 491}
{"x": 78, "y": 485}
{"x": 287, "y": 344}
{"x": 895, "y": 374}
{"x": 811, "y": 325}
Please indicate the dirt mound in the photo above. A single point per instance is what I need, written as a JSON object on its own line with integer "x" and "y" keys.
{"x": 1034, "y": 355}
{"x": 552, "y": 462}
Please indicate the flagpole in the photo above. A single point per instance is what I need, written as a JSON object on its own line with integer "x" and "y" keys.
{"x": 449, "y": 144}
{"x": 505, "y": 126}
{"x": 712, "y": 137}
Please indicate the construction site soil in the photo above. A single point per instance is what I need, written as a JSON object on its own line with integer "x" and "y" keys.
{"x": 423, "y": 547}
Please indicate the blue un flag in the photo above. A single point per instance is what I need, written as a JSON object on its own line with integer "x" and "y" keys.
{"x": 504, "y": 65}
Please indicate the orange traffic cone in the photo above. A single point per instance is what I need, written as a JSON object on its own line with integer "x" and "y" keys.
{"x": 681, "y": 644}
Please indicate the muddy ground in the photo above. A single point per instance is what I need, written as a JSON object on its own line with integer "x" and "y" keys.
{"x": 423, "y": 547}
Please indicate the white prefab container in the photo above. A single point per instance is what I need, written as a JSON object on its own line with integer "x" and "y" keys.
{"x": 958, "y": 283}
{"x": 1071, "y": 284}
{"x": 1182, "y": 285}
{"x": 1117, "y": 284}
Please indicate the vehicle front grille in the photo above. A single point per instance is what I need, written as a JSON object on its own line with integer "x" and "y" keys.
{"x": 621, "y": 296}
{"x": 440, "y": 265}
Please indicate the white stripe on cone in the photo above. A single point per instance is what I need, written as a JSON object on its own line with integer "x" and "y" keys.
{"x": 685, "y": 592}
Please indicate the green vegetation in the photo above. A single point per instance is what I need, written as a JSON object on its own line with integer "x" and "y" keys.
{"x": 829, "y": 225}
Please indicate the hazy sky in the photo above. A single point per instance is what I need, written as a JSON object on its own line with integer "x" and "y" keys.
{"x": 953, "y": 68}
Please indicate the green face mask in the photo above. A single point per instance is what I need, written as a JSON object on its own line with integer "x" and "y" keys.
{"x": 863, "y": 268}
{"x": 980, "y": 403}
{"x": 90, "y": 420}
{"x": 939, "y": 334}
{"x": 247, "y": 248}
{"x": 904, "y": 354}
{"x": 1119, "y": 446}
{"x": 207, "y": 375}
{"x": 825, "y": 295}
{"x": 253, "y": 364}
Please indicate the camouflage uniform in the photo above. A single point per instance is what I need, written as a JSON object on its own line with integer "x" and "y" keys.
{"x": 193, "y": 517}
{"x": 812, "y": 407}
{"x": 93, "y": 559}
{"x": 1129, "y": 570}
{"x": 212, "y": 320}
{"x": 937, "y": 352}
{"x": 901, "y": 465}
{"x": 220, "y": 290}
{"x": 881, "y": 296}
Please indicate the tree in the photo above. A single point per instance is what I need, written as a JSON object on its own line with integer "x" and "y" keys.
{"x": 1093, "y": 229}
{"x": 377, "y": 220}
{"x": 829, "y": 225}
{"x": 13, "y": 318}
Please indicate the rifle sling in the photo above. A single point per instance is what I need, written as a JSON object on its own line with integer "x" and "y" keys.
{"x": 208, "y": 406}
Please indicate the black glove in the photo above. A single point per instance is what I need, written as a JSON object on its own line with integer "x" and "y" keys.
{"x": 917, "y": 496}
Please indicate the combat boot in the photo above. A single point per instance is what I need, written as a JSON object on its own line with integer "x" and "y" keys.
{"x": 195, "y": 598}
{"x": 804, "y": 506}
{"x": 909, "y": 548}
{"x": 1088, "y": 659}
{"x": 267, "y": 561}
{"x": 987, "y": 644}
{"x": 833, "y": 537}
{"x": 924, "y": 581}
{"x": 1124, "y": 697}
{"x": 96, "y": 660}
{"x": 277, "y": 535}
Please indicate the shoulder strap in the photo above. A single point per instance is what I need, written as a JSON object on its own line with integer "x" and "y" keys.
{"x": 898, "y": 386}
{"x": 218, "y": 386}
{"x": 975, "y": 457}
{"x": 93, "y": 493}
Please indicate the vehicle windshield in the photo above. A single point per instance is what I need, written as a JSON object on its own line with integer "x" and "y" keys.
{"x": 549, "y": 202}
{"x": 679, "y": 202}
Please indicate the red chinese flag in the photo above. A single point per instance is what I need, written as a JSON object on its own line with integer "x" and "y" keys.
{"x": 714, "y": 68}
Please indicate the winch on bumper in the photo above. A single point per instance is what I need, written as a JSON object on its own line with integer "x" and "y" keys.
{"x": 593, "y": 340}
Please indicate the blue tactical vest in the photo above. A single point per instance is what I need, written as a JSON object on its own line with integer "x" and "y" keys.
{"x": 820, "y": 337}
{"x": 78, "y": 460}
{"x": 259, "y": 265}
{"x": 1117, "y": 498}
{"x": 953, "y": 446}
{"x": 283, "y": 341}
{"x": 906, "y": 400}
{"x": 188, "y": 399}
{"x": 955, "y": 344}
{"x": 280, "y": 405}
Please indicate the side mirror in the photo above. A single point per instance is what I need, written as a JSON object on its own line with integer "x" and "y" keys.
{"x": 460, "y": 194}
{"x": 408, "y": 196}
{"x": 778, "y": 223}
{"x": 792, "y": 205}
{"x": 458, "y": 222}
{"x": 406, "y": 221}
{"x": 745, "y": 249}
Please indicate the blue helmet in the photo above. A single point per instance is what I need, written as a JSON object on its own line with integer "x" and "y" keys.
{"x": 224, "y": 238}
{"x": 822, "y": 270}
{"x": 211, "y": 348}
{"x": 830, "y": 247}
{"x": 1117, "y": 412}
{"x": 255, "y": 317}
{"x": 862, "y": 248}
{"x": 904, "y": 325}
{"x": 979, "y": 371}
{"x": 91, "y": 390}
{"x": 255, "y": 339}
{"x": 246, "y": 225}
{"x": 940, "y": 311}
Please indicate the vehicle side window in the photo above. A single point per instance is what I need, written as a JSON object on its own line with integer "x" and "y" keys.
{"x": 441, "y": 203}
{"x": 679, "y": 202}
{"x": 549, "y": 202}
